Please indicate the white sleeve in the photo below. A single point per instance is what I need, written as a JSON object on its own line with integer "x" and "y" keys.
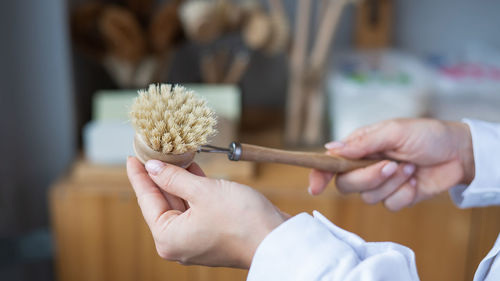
{"x": 312, "y": 248}
{"x": 484, "y": 189}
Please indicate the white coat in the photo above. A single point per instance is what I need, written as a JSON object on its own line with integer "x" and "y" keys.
{"x": 311, "y": 248}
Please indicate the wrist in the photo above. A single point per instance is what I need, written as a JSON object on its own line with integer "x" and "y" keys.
{"x": 250, "y": 246}
{"x": 465, "y": 152}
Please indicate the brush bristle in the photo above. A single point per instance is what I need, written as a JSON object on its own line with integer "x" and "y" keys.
{"x": 172, "y": 119}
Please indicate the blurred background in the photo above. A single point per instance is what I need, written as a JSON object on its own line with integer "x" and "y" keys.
{"x": 290, "y": 74}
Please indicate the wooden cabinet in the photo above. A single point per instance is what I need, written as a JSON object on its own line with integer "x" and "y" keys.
{"x": 100, "y": 234}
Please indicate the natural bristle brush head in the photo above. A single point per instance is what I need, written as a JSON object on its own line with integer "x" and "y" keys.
{"x": 171, "y": 123}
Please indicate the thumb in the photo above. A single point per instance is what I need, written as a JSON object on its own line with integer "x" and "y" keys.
{"x": 369, "y": 140}
{"x": 174, "y": 180}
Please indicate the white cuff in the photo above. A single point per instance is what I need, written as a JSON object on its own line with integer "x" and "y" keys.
{"x": 310, "y": 249}
{"x": 288, "y": 254}
{"x": 484, "y": 190}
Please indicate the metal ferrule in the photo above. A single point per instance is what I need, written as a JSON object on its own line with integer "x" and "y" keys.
{"x": 214, "y": 149}
{"x": 233, "y": 152}
{"x": 235, "y": 148}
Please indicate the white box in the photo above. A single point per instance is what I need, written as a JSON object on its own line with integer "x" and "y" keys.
{"x": 466, "y": 85}
{"x": 369, "y": 87}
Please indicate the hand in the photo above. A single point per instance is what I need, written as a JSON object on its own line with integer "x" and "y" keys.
{"x": 433, "y": 157}
{"x": 216, "y": 223}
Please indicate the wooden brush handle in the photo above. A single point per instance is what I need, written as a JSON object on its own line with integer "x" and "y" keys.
{"x": 318, "y": 161}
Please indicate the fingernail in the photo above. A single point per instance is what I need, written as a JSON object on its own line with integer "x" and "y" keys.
{"x": 413, "y": 182}
{"x": 408, "y": 169}
{"x": 334, "y": 145}
{"x": 389, "y": 169}
{"x": 154, "y": 166}
{"x": 309, "y": 190}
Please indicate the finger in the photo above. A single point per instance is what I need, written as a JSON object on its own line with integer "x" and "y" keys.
{"x": 404, "y": 172}
{"x": 365, "y": 130}
{"x": 318, "y": 180}
{"x": 175, "y": 202}
{"x": 366, "y": 178}
{"x": 402, "y": 197}
{"x": 368, "y": 140}
{"x": 151, "y": 201}
{"x": 196, "y": 169}
{"x": 174, "y": 180}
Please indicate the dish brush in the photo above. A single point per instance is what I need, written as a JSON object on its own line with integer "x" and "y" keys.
{"x": 172, "y": 124}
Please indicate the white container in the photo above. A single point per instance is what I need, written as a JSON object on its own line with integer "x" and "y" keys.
{"x": 369, "y": 87}
{"x": 466, "y": 85}
{"x": 107, "y": 142}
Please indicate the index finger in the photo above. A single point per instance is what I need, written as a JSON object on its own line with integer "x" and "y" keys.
{"x": 377, "y": 138}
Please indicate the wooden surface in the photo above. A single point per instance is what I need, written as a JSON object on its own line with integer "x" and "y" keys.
{"x": 485, "y": 226}
{"x": 100, "y": 234}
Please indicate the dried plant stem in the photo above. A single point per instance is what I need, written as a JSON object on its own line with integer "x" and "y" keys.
{"x": 295, "y": 100}
{"x": 314, "y": 120}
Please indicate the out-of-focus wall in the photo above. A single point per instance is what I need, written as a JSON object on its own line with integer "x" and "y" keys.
{"x": 37, "y": 118}
{"x": 445, "y": 25}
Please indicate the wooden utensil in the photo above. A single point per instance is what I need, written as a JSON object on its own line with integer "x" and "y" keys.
{"x": 257, "y": 29}
{"x": 253, "y": 153}
{"x": 237, "y": 68}
{"x": 200, "y": 20}
{"x": 85, "y": 29}
{"x": 280, "y": 29}
{"x": 336, "y": 164}
{"x": 165, "y": 27}
{"x": 122, "y": 34}
{"x": 208, "y": 69}
{"x": 373, "y": 23}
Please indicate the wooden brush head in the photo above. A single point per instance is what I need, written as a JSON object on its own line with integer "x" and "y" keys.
{"x": 144, "y": 153}
{"x": 170, "y": 120}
